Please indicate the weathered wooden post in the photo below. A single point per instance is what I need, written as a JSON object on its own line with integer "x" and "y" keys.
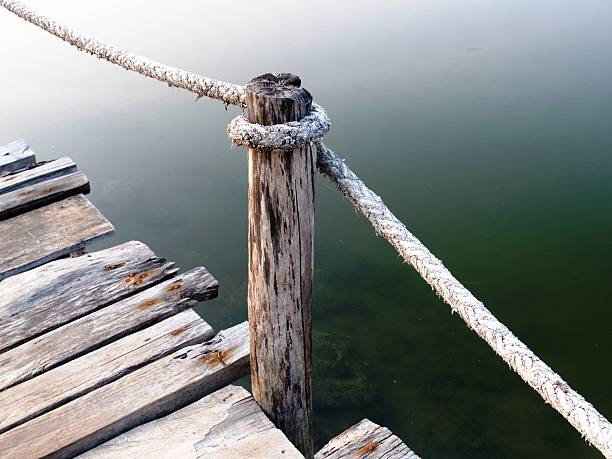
{"x": 281, "y": 249}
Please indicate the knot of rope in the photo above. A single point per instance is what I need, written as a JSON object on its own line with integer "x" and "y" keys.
{"x": 288, "y": 136}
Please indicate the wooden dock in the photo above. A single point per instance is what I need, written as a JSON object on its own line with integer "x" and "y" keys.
{"x": 101, "y": 353}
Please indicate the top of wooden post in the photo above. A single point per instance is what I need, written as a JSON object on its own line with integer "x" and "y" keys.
{"x": 276, "y": 98}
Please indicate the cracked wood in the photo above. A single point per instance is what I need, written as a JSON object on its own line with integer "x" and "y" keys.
{"x": 38, "y": 174}
{"x": 29, "y": 197}
{"x": 50, "y": 232}
{"x": 227, "y": 423}
{"x": 105, "y": 325}
{"x": 368, "y": 440}
{"x": 281, "y": 239}
{"x": 148, "y": 393}
{"x": 46, "y": 297}
{"x": 53, "y": 388}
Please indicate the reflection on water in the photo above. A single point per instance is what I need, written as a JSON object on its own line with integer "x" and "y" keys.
{"x": 484, "y": 125}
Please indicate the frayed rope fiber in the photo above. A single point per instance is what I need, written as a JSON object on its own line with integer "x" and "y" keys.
{"x": 596, "y": 429}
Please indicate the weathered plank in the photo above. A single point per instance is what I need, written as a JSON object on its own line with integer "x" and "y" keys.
{"x": 227, "y": 423}
{"x": 29, "y": 197}
{"x": 368, "y": 440}
{"x": 48, "y": 233}
{"x": 148, "y": 393}
{"x": 15, "y": 156}
{"x": 281, "y": 256}
{"x": 56, "y": 387}
{"x": 46, "y": 297}
{"x": 105, "y": 325}
{"x": 40, "y": 173}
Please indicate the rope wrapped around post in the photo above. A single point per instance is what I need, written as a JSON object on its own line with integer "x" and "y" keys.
{"x": 288, "y": 136}
{"x": 593, "y": 426}
{"x": 552, "y": 388}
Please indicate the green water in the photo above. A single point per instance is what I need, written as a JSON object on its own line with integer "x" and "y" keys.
{"x": 485, "y": 126}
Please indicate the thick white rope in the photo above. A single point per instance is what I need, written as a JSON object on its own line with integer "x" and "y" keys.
{"x": 288, "y": 136}
{"x": 553, "y": 389}
{"x": 228, "y": 93}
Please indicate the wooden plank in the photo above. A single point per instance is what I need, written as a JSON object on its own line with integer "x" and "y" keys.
{"x": 15, "y": 156}
{"x": 46, "y": 297}
{"x": 148, "y": 393}
{"x": 29, "y": 197}
{"x": 225, "y": 424}
{"x": 49, "y": 390}
{"x": 105, "y": 325}
{"x": 40, "y": 173}
{"x": 48, "y": 233}
{"x": 366, "y": 439}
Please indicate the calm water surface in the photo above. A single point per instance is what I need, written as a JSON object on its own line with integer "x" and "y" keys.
{"x": 485, "y": 126}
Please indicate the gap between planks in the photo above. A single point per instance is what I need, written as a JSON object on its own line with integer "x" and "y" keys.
{"x": 44, "y": 298}
{"x": 36, "y": 195}
{"x": 154, "y": 390}
{"x": 80, "y": 376}
{"x": 105, "y": 325}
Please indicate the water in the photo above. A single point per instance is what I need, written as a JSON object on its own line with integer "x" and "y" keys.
{"x": 484, "y": 125}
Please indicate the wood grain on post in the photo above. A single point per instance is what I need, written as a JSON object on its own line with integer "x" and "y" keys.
{"x": 281, "y": 248}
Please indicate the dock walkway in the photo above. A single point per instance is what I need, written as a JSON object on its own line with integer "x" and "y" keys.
{"x": 101, "y": 353}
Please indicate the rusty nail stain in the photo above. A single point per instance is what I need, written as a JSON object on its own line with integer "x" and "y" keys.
{"x": 147, "y": 304}
{"x": 137, "y": 278}
{"x": 367, "y": 449}
{"x": 215, "y": 357}
{"x": 115, "y": 266}
{"x": 179, "y": 330}
{"x": 173, "y": 287}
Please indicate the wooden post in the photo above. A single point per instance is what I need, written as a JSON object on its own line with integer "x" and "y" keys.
{"x": 281, "y": 249}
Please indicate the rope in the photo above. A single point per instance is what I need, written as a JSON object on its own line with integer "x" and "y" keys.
{"x": 552, "y": 388}
{"x": 228, "y": 93}
{"x": 288, "y": 136}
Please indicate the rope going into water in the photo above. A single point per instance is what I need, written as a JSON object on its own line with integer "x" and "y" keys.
{"x": 593, "y": 426}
